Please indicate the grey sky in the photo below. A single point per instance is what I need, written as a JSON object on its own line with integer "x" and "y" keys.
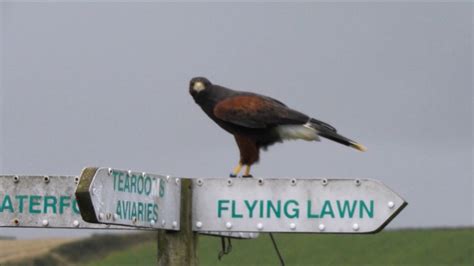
{"x": 105, "y": 84}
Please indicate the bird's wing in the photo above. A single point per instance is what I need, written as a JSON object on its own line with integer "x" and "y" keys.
{"x": 255, "y": 111}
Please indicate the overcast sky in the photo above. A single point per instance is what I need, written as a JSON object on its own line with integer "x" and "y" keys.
{"x": 106, "y": 84}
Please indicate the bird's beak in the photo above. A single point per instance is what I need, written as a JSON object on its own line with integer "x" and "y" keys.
{"x": 198, "y": 86}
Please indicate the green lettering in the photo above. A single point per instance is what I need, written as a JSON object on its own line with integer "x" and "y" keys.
{"x": 276, "y": 210}
{"x": 346, "y": 208}
{"x": 363, "y": 206}
{"x": 311, "y": 215}
{"x": 126, "y": 188}
{"x": 35, "y": 201}
{"x": 75, "y": 207}
{"x": 220, "y": 207}
{"x": 7, "y": 204}
{"x": 118, "y": 210}
{"x": 50, "y": 201}
{"x": 140, "y": 211}
{"x": 250, "y": 207}
{"x": 133, "y": 183}
{"x": 295, "y": 211}
{"x": 63, "y": 203}
{"x": 21, "y": 200}
{"x": 234, "y": 211}
{"x": 327, "y": 209}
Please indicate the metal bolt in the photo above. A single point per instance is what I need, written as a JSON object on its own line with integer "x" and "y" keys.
{"x": 115, "y": 217}
{"x": 16, "y": 179}
{"x": 324, "y": 181}
{"x": 391, "y": 204}
{"x": 260, "y": 181}
{"x": 177, "y": 181}
{"x": 293, "y": 182}
{"x": 75, "y": 223}
{"x": 357, "y": 182}
{"x": 45, "y": 223}
{"x": 355, "y": 227}
{"x": 76, "y": 179}
{"x": 174, "y": 224}
{"x": 167, "y": 178}
{"x": 259, "y": 226}
{"x": 46, "y": 179}
{"x": 293, "y": 226}
{"x": 16, "y": 222}
{"x": 143, "y": 174}
{"x": 134, "y": 219}
{"x": 200, "y": 182}
{"x": 129, "y": 172}
{"x": 109, "y": 171}
{"x": 321, "y": 227}
{"x": 152, "y": 222}
{"x": 101, "y": 216}
{"x": 198, "y": 224}
{"x": 229, "y": 182}
{"x": 228, "y": 225}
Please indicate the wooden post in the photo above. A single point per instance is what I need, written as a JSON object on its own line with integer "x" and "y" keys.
{"x": 180, "y": 247}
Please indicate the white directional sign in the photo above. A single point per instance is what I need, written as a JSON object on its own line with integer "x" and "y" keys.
{"x": 293, "y": 205}
{"x": 42, "y": 201}
{"x": 129, "y": 198}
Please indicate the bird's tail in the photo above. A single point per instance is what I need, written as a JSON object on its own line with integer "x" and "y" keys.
{"x": 327, "y": 131}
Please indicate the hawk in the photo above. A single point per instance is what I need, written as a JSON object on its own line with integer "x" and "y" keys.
{"x": 258, "y": 121}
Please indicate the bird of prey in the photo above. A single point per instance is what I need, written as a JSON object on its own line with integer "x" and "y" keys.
{"x": 258, "y": 121}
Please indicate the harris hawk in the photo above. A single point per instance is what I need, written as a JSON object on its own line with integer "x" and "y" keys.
{"x": 258, "y": 121}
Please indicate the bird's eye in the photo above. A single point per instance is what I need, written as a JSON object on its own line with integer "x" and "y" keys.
{"x": 198, "y": 86}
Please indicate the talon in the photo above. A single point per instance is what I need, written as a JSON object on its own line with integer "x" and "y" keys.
{"x": 247, "y": 176}
{"x": 231, "y": 175}
{"x": 236, "y": 170}
{"x": 247, "y": 171}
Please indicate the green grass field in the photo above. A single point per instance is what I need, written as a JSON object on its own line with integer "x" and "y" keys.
{"x": 405, "y": 247}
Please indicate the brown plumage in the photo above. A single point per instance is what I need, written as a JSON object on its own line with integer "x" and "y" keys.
{"x": 258, "y": 121}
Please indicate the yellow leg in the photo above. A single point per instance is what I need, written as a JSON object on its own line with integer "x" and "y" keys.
{"x": 247, "y": 170}
{"x": 237, "y": 169}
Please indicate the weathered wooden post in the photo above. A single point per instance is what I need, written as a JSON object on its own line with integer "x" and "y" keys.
{"x": 180, "y": 247}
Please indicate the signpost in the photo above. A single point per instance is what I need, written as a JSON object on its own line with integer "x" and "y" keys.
{"x": 111, "y": 196}
{"x": 293, "y": 205}
{"x": 42, "y": 201}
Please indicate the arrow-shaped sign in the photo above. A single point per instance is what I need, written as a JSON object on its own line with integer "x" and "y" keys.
{"x": 293, "y": 205}
{"x": 111, "y": 196}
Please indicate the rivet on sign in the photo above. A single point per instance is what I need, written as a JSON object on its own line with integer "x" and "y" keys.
{"x": 321, "y": 227}
{"x": 177, "y": 181}
{"x": 134, "y": 219}
{"x": 391, "y": 204}
{"x": 200, "y": 182}
{"x": 76, "y": 179}
{"x": 357, "y": 182}
{"x": 16, "y": 179}
{"x": 167, "y": 178}
{"x": 260, "y": 181}
{"x": 75, "y": 223}
{"x": 45, "y": 222}
{"x": 355, "y": 227}
{"x": 129, "y": 172}
{"x": 46, "y": 179}
{"x": 101, "y": 216}
{"x": 174, "y": 224}
{"x": 152, "y": 222}
{"x": 293, "y": 226}
{"x": 324, "y": 181}
{"x": 228, "y": 225}
{"x": 293, "y": 182}
{"x": 259, "y": 226}
{"x": 115, "y": 216}
{"x": 109, "y": 171}
{"x": 198, "y": 224}
{"x": 143, "y": 174}
{"x": 229, "y": 182}
{"x": 16, "y": 222}
{"x": 163, "y": 222}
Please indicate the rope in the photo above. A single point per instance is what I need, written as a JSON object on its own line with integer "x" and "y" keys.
{"x": 282, "y": 262}
{"x": 225, "y": 250}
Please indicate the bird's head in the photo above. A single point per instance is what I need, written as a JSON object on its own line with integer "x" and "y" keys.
{"x": 198, "y": 85}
